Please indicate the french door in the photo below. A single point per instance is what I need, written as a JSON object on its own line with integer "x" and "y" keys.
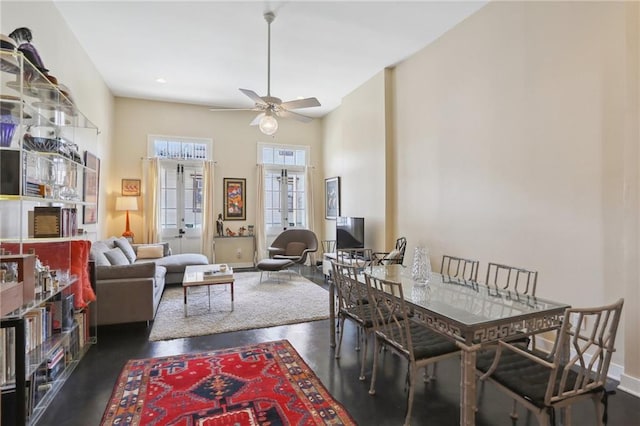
{"x": 181, "y": 205}
{"x": 285, "y": 200}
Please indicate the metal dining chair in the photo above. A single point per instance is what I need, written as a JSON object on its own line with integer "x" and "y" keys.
{"x": 352, "y": 301}
{"x": 459, "y": 267}
{"x": 395, "y": 329}
{"x": 518, "y": 281}
{"x": 563, "y": 377}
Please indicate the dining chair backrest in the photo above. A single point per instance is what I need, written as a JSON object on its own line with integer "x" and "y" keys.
{"x": 352, "y": 294}
{"x": 359, "y": 257}
{"x": 510, "y": 278}
{"x": 390, "y": 314}
{"x": 590, "y": 334}
{"x": 459, "y": 267}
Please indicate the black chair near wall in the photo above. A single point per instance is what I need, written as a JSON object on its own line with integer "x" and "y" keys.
{"x": 394, "y": 257}
{"x": 543, "y": 383}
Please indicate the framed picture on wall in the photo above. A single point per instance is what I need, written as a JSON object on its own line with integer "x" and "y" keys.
{"x": 131, "y": 187}
{"x": 234, "y": 199}
{"x": 332, "y": 197}
{"x": 90, "y": 185}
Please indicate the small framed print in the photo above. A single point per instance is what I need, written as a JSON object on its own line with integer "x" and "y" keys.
{"x": 131, "y": 187}
{"x": 90, "y": 189}
{"x": 234, "y": 199}
{"x": 332, "y": 198}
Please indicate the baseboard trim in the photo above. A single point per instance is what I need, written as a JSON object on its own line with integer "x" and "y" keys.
{"x": 630, "y": 384}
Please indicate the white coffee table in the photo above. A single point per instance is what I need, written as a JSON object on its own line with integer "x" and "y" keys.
{"x": 199, "y": 275}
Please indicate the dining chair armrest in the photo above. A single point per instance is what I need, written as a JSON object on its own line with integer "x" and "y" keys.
{"x": 502, "y": 345}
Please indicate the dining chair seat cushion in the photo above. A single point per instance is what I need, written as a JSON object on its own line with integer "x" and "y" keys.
{"x": 426, "y": 343}
{"x": 524, "y": 376}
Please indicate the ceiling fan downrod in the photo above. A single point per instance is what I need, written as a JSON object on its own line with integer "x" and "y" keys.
{"x": 269, "y": 17}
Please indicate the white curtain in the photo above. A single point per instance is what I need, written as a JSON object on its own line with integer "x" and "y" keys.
{"x": 260, "y": 230}
{"x": 208, "y": 214}
{"x": 151, "y": 225}
{"x": 310, "y": 204}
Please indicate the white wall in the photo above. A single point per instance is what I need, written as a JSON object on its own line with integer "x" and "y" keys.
{"x": 66, "y": 60}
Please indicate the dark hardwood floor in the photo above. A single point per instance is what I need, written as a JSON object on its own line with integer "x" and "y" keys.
{"x": 85, "y": 395}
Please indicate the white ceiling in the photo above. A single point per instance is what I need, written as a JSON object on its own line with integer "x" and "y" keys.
{"x": 207, "y": 50}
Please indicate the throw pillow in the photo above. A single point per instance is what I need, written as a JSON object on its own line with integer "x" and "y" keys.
{"x": 117, "y": 257}
{"x": 126, "y": 248}
{"x": 152, "y": 251}
{"x": 295, "y": 248}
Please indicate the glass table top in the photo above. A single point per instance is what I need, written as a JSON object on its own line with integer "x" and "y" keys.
{"x": 466, "y": 302}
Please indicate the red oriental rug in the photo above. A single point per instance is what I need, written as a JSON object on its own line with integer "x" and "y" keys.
{"x": 263, "y": 384}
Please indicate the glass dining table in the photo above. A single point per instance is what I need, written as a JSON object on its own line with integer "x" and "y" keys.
{"x": 471, "y": 314}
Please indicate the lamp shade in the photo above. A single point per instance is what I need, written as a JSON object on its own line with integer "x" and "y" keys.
{"x": 127, "y": 203}
{"x": 268, "y": 124}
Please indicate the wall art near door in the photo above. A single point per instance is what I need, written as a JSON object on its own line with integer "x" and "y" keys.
{"x": 332, "y": 197}
{"x": 131, "y": 187}
{"x": 90, "y": 187}
{"x": 234, "y": 199}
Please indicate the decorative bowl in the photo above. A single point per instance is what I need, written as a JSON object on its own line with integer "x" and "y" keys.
{"x": 7, "y": 129}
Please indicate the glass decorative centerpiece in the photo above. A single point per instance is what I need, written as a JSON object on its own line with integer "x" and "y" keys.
{"x": 421, "y": 268}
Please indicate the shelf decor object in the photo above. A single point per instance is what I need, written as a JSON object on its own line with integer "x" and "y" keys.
{"x": 126, "y": 204}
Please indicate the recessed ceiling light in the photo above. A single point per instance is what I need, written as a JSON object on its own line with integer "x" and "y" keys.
{"x": 160, "y": 80}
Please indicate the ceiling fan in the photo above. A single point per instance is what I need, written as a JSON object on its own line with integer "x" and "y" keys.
{"x": 270, "y": 106}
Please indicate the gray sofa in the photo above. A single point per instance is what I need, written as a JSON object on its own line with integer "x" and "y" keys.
{"x": 130, "y": 278}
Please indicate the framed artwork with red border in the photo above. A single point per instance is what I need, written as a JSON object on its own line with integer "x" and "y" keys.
{"x": 234, "y": 199}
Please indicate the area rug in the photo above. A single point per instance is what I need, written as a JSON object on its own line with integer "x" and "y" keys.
{"x": 292, "y": 300}
{"x": 263, "y": 384}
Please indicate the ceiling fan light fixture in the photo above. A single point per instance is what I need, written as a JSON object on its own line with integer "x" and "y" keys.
{"x": 268, "y": 125}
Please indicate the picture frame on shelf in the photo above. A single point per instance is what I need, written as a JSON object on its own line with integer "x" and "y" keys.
{"x": 234, "y": 198}
{"x": 332, "y": 198}
{"x": 130, "y": 187}
{"x": 91, "y": 184}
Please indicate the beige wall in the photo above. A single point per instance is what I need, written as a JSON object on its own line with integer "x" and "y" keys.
{"x": 234, "y": 149}
{"x": 354, "y": 146}
{"x": 66, "y": 60}
{"x": 513, "y": 138}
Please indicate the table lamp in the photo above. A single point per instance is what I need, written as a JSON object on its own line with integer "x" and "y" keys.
{"x": 126, "y": 204}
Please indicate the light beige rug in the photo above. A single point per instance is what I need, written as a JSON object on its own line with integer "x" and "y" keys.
{"x": 292, "y": 300}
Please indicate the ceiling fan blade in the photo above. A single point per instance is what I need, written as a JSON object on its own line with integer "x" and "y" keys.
{"x": 254, "y": 96}
{"x": 256, "y": 120}
{"x": 232, "y": 109}
{"x": 294, "y": 115}
{"x": 301, "y": 103}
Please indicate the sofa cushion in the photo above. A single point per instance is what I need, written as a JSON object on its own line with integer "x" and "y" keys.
{"x": 136, "y": 270}
{"x": 126, "y": 248}
{"x": 97, "y": 253}
{"x": 177, "y": 262}
{"x": 116, "y": 257}
{"x": 151, "y": 251}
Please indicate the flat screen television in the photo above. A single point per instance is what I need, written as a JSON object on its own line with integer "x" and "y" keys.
{"x": 349, "y": 232}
